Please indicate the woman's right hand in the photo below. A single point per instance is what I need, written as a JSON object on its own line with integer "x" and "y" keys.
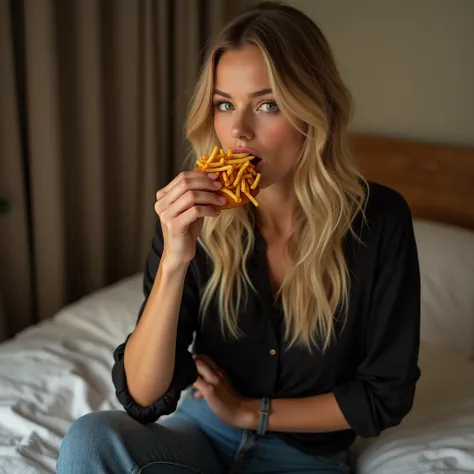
{"x": 181, "y": 207}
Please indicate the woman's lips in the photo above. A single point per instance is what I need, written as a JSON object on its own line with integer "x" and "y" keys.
{"x": 243, "y": 150}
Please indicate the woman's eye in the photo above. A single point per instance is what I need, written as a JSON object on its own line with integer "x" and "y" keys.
{"x": 223, "y": 106}
{"x": 269, "y": 107}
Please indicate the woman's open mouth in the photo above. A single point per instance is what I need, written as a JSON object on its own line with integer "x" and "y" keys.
{"x": 257, "y": 162}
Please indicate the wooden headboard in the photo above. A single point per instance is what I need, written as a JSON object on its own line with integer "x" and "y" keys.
{"x": 436, "y": 180}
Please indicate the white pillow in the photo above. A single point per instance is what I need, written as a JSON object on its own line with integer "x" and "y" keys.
{"x": 446, "y": 255}
{"x": 438, "y": 434}
{"x": 109, "y": 313}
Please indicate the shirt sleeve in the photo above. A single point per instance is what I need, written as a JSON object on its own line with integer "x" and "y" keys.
{"x": 185, "y": 372}
{"x": 383, "y": 391}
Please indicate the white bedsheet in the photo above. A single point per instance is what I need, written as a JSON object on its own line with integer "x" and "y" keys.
{"x": 59, "y": 370}
{"x": 437, "y": 436}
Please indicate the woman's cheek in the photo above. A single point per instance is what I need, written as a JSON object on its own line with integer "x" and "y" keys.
{"x": 221, "y": 128}
{"x": 281, "y": 135}
{"x": 217, "y": 129}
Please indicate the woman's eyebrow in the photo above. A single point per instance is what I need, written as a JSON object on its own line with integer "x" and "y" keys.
{"x": 253, "y": 94}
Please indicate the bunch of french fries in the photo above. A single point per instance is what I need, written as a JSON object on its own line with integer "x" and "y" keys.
{"x": 234, "y": 170}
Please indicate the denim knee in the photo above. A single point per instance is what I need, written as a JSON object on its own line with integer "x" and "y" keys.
{"x": 92, "y": 440}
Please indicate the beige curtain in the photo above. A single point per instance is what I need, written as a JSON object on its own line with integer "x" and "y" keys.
{"x": 93, "y": 97}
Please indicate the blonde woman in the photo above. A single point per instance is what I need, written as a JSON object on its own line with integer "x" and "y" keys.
{"x": 305, "y": 309}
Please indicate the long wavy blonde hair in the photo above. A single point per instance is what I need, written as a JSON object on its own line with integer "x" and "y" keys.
{"x": 329, "y": 190}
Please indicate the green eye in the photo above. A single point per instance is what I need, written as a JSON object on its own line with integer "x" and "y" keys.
{"x": 269, "y": 107}
{"x": 223, "y": 106}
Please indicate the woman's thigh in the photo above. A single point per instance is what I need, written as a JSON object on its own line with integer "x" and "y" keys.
{"x": 271, "y": 455}
{"x": 113, "y": 442}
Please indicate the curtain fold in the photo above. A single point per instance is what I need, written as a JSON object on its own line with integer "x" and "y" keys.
{"x": 16, "y": 304}
{"x": 94, "y": 96}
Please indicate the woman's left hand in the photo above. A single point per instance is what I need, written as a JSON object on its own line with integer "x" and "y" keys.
{"x": 214, "y": 386}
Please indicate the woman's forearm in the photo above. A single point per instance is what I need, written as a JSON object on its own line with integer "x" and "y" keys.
{"x": 150, "y": 351}
{"x": 317, "y": 414}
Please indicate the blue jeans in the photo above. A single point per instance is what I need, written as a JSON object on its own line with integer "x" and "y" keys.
{"x": 191, "y": 440}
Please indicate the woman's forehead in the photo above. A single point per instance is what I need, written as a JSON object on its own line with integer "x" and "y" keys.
{"x": 242, "y": 71}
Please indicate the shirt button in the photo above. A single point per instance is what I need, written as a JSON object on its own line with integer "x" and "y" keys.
{"x": 273, "y": 352}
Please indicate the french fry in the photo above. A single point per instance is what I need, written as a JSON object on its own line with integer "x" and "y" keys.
{"x": 257, "y": 180}
{"x": 240, "y": 173}
{"x": 251, "y": 198}
{"x": 240, "y": 161}
{"x": 231, "y": 194}
{"x": 215, "y": 164}
{"x": 211, "y": 158}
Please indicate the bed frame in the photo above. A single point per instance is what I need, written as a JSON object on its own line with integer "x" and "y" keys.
{"x": 436, "y": 180}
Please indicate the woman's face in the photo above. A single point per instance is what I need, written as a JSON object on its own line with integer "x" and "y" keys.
{"x": 246, "y": 114}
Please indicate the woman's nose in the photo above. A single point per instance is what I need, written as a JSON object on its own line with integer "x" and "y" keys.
{"x": 241, "y": 129}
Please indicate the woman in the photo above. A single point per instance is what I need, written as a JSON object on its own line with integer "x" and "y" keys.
{"x": 305, "y": 309}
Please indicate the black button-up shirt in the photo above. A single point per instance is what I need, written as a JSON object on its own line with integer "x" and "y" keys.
{"x": 371, "y": 369}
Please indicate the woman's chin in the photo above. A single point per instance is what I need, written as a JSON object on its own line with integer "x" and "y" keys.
{"x": 269, "y": 182}
{"x": 263, "y": 183}
{"x": 278, "y": 184}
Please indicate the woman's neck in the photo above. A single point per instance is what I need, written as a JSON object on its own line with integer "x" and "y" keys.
{"x": 276, "y": 209}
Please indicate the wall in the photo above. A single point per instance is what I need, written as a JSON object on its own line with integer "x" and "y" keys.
{"x": 409, "y": 64}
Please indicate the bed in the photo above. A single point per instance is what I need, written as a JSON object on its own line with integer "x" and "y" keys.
{"x": 58, "y": 370}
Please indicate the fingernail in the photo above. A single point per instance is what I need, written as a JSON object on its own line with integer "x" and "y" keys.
{"x": 223, "y": 200}
{"x": 217, "y": 184}
{"x": 212, "y": 175}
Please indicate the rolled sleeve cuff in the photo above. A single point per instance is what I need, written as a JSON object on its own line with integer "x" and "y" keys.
{"x": 185, "y": 375}
{"x": 370, "y": 408}
{"x": 353, "y": 400}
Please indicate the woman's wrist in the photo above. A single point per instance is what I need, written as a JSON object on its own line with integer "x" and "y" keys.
{"x": 249, "y": 418}
{"x": 172, "y": 266}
